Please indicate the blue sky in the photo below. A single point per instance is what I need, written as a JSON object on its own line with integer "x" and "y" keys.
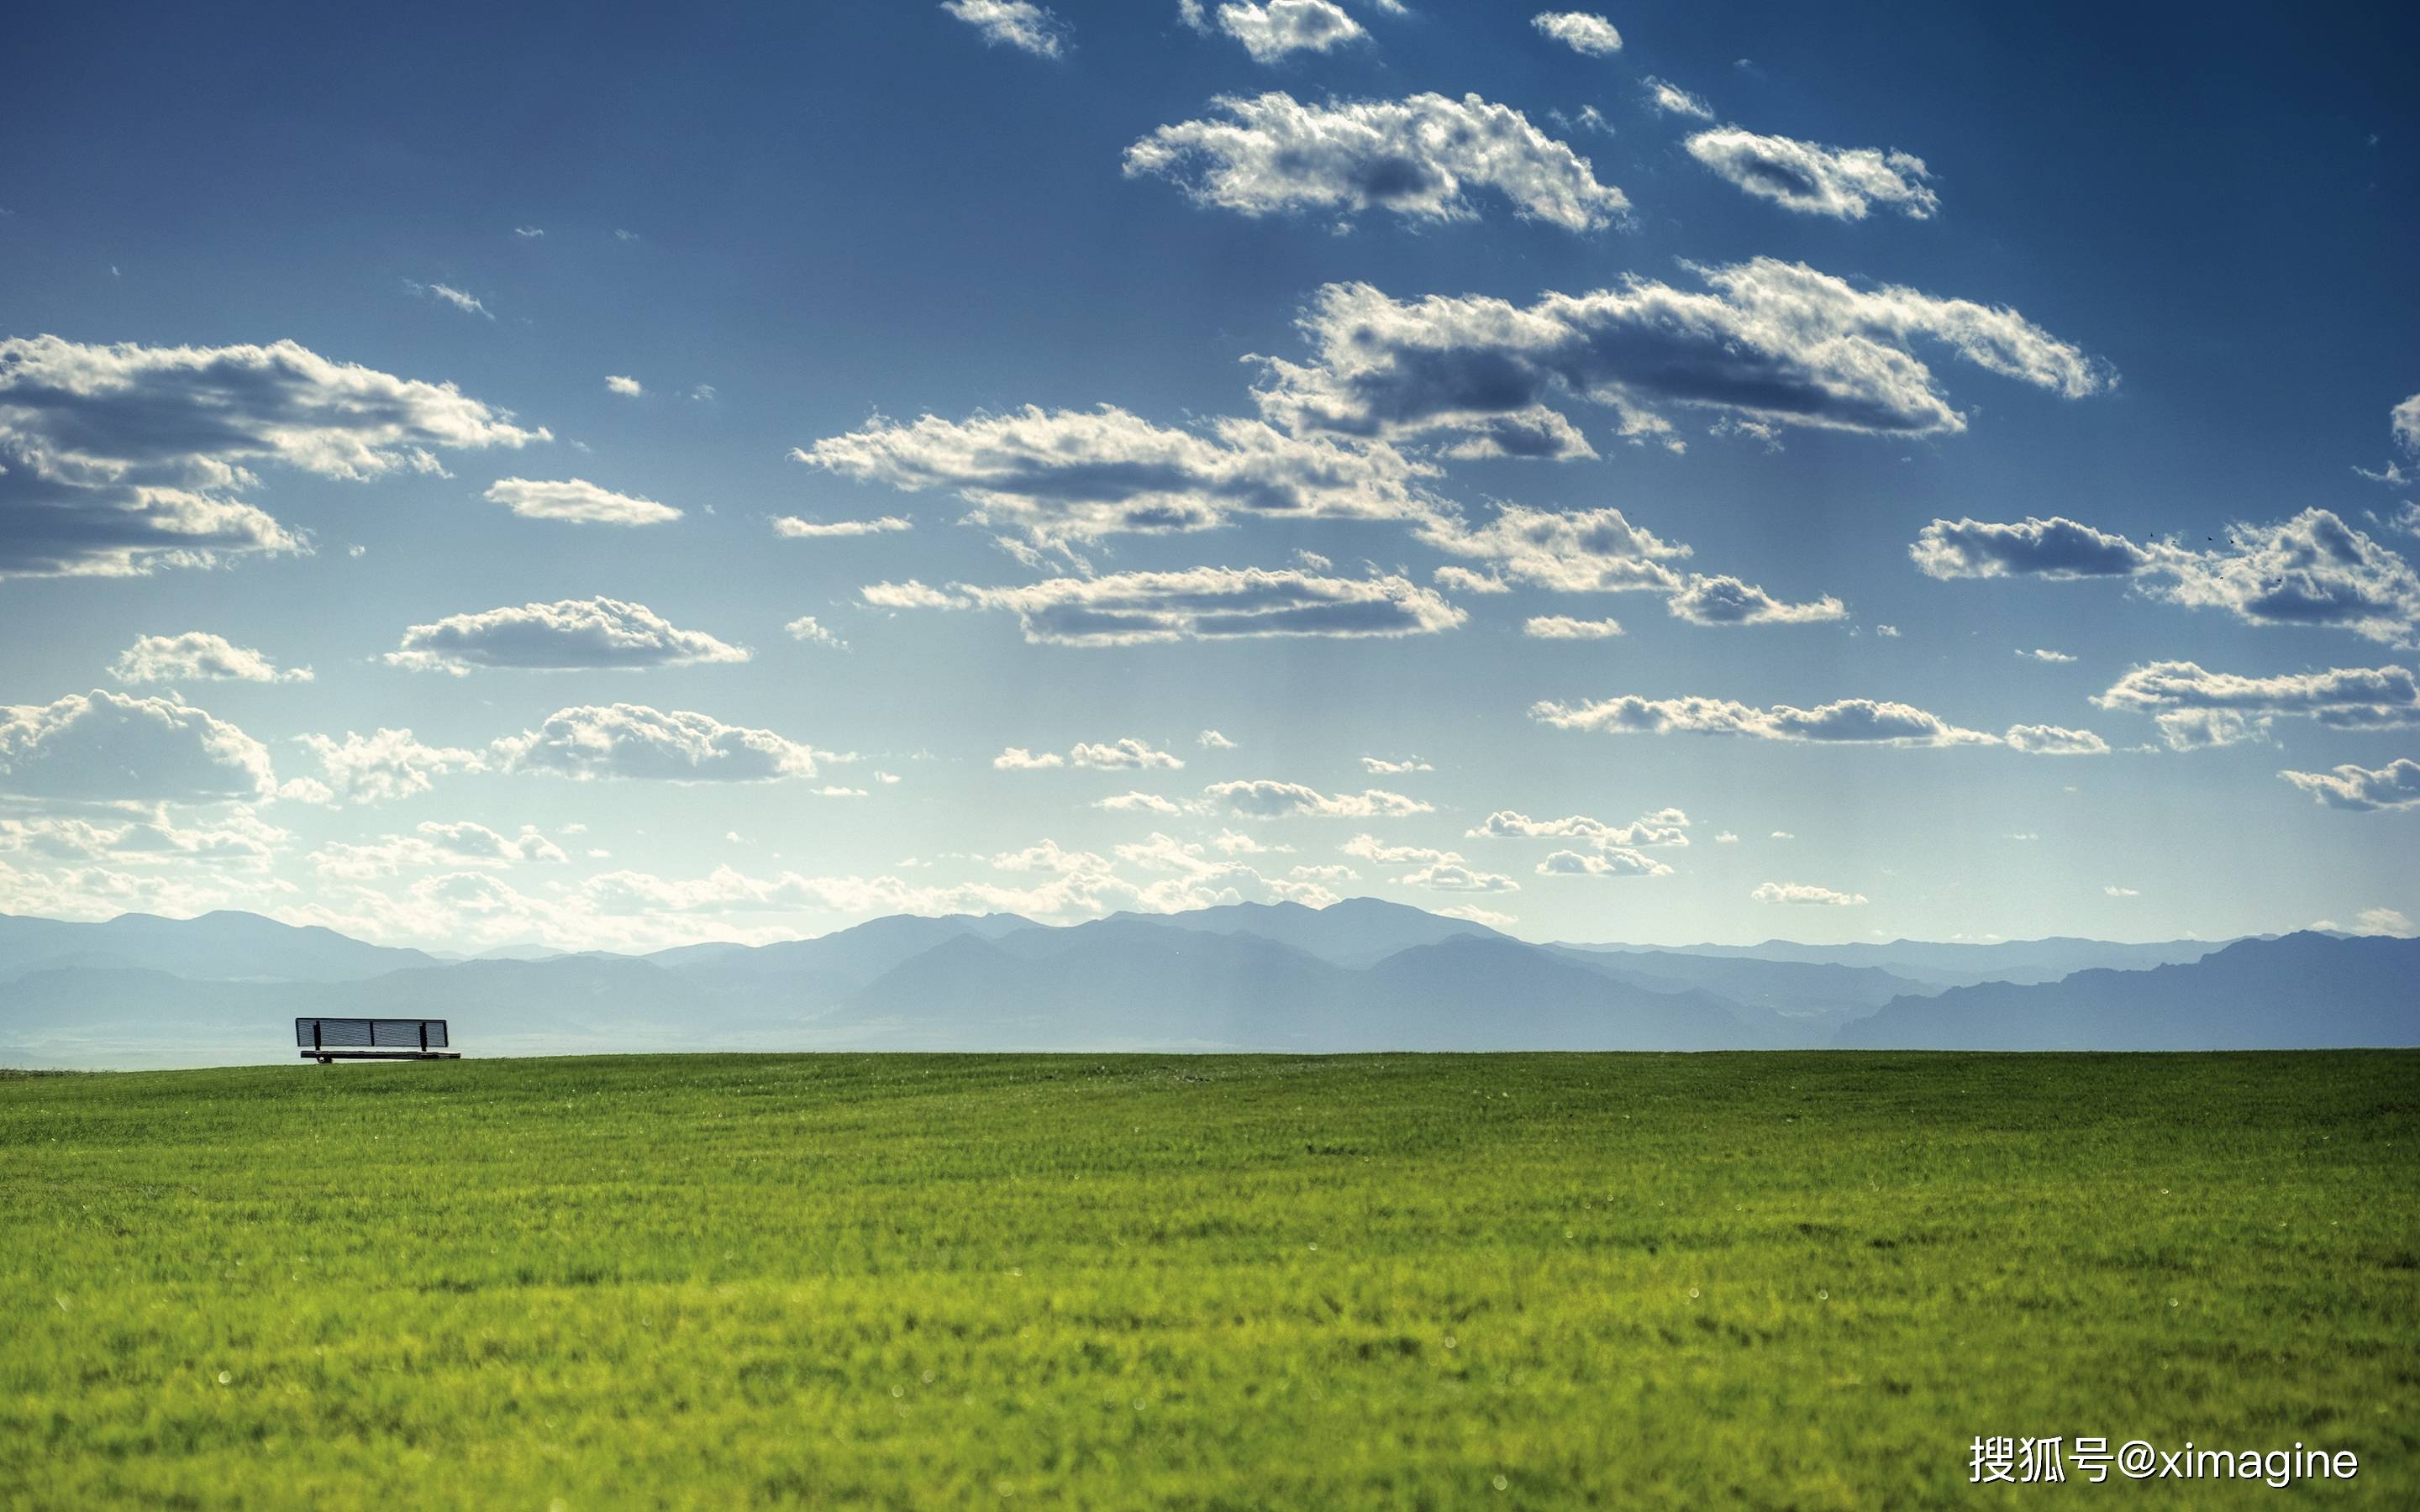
{"x": 1331, "y": 396}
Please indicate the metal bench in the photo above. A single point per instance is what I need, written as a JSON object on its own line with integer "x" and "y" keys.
{"x": 327, "y": 1040}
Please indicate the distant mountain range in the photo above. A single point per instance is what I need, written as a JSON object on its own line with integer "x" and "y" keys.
{"x": 1358, "y": 974}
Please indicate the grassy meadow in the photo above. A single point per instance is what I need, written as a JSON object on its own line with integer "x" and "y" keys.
{"x": 1501, "y": 1281}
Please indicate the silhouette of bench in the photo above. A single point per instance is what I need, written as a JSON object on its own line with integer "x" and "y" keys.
{"x": 327, "y": 1040}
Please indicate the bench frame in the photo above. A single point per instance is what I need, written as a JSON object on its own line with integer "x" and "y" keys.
{"x": 328, "y": 1055}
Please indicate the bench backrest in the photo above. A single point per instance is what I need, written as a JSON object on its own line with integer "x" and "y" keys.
{"x": 369, "y": 1034}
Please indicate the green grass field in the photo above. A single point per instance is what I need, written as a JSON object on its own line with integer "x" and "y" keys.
{"x": 1620, "y": 1281}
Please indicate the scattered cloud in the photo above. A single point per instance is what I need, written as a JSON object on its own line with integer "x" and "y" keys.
{"x": 382, "y": 766}
{"x": 2039, "y": 654}
{"x": 199, "y": 657}
{"x": 1381, "y": 766}
{"x": 434, "y": 846}
{"x": 1212, "y": 740}
{"x": 1766, "y": 341}
{"x": 1666, "y": 826}
{"x": 1671, "y": 100}
{"x": 1418, "y": 158}
{"x": 578, "y": 500}
{"x": 2194, "y": 708}
{"x": 1123, "y": 754}
{"x": 448, "y": 294}
{"x": 1848, "y": 720}
{"x": 572, "y": 634}
{"x": 1805, "y": 892}
{"x": 1198, "y": 604}
{"x": 631, "y": 740}
{"x": 806, "y": 628}
{"x": 626, "y": 387}
{"x": 2395, "y": 785}
{"x": 119, "y": 461}
{"x": 2312, "y": 569}
{"x": 1138, "y": 803}
{"x": 1618, "y": 863}
{"x": 2050, "y": 740}
{"x": 107, "y": 748}
{"x": 1271, "y": 31}
{"x": 1813, "y": 180}
{"x": 796, "y": 529}
{"x": 1730, "y": 601}
{"x": 1580, "y": 31}
{"x": 2113, "y": 890}
{"x": 1265, "y": 798}
{"x": 1017, "y": 24}
{"x": 1564, "y": 627}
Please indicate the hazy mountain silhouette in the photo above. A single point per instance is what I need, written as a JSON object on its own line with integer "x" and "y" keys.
{"x": 2305, "y": 991}
{"x": 1360, "y": 975}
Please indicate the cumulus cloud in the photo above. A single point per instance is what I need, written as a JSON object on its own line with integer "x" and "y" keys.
{"x": 2405, "y": 421}
{"x": 1435, "y": 869}
{"x": 1814, "y": 180}
{"x": 1419, "y": 158}
{"x": 1054, "y": 477}
{"x": 431, "y": 847}
{"x": 1805, "y": 892}
{"x": 1126, "y": 754}
{"x": 578, "y": 500}
{"x": 1580, "y": 31}
{"x": 1270, "y": 31}
{"x": 2050, "y": 740}
{"x": 2395, "y": 785}
{"x": 1212, "y": 740}
{"x": 1862, "y": 721}
{"x": 1671, "y": 100}
{"x": 1766, "y": 342}
{"x": 2194, "y": 708}
{"x": 199, "y": 657}
{"x": 2312, "y": 569}
{"x": 628, "y": 387}
{"x": 107, "y": 748}
{"x": 2041, "y": 653}
{"x": 631, "y": 740}
{"x": 1564, "y": 627}
{"x": 1666, "y": 826}
{"x": 382, "y": 767}
{"x": 2056, "y": 547}
{"x": 805, "y": 627}
{"x": 1569, "y": 552}
{"x": 1196, "y": 604}
{"x": 572, "y": 634}
{"x": 241, "y": 841}
{"x": 1265, "y": 798}
{"x": 1017, "y": 24}
{"x": 796, "y": 529}
{"x": 1383, "y": 766}
{"x": 1730, "y": 601}
{"x": 1138, "y": 803}
{"x": 119, "y": 461}
{"x": 1616, "y": 863}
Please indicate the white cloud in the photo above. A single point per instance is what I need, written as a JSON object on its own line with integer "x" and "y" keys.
{"x": 1370, "y": 848}
{"x": 1476, "y": 915}
{"x": 1198, "y": 604}
{"x": 241, "y": 841}
{"x": 448, "y": 294}
{"x": 806, "y": 628}
{"x": 119, "y": 460}
{"x": 1418, "y": 158}
{"x": 431, "y": 847}
{"x": 1270, "y": 31}
{"x": 1726, "y": 838}
{"x": 2405, "y": 421}
{"x": 1671, "y": 100}
{"x": 1814, "y": 180}
{"x": 199, "y": 657}
{"x": 2039, "y": 654}
{"x": 1017, "y": 24}
{"x": 632, "y": 740}
{"x": 384, "y": 766}
{"x": 1569, "y": 552}
{"x": 1055, "y": 477}
{"x": 2312, "y": 569}
{"x": 2194, "y": 708}
{"x": 1666, "y": 826}
{"x": 2050, "y": 740}
{"x": 1265, "y": 798}
{"x": 1805, "y": 892}
{"x": 2113, "y": 890}
{"x": 529, "y": 233}
{"x": 1126, "y": 754}
{"x": 107, "y": 748}
{"x": 1728, "y": 601}
{"x": 1452, "y": 877}
{"x": 1888, "y": 632}
{"x": 2395, "y": 785}
{"x": 1212, "y": 740}
{"x": 1769, "y": 341}
{"x": 1564, "y": 627}
{"x": 1580, "y": 31}
{"x": 1613, "y": 863}
{"x": 573, "y": 634}
{"x": 1138, "y": 803}
{"x": 1847, "y": 720}
{"x": 2386, "y": 922}
{"x": 626, "y": 387}
{"x": 579, "y": 501}
{"x": 796, "y": 529}
{"x": 1381, "y": 766}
